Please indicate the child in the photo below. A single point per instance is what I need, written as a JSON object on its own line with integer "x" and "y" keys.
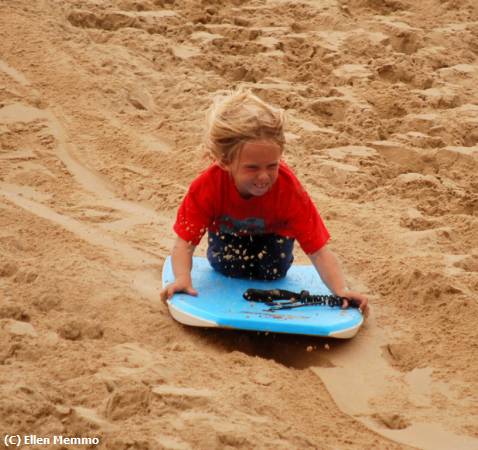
{"x": 250, "y": 203}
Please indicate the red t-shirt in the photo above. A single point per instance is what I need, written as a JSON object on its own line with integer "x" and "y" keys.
{"x": 214, "y": 203}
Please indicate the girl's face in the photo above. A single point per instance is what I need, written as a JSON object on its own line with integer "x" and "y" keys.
{"x": 256, "y": 167}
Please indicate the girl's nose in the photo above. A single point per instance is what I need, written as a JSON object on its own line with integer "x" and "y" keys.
{"x": 263, "y": 176}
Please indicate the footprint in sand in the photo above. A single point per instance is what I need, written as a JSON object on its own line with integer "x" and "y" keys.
{"x": 330, "y": 109}
{"x": 403, "y": 37}
{"x": 418, "y": 223}
{"x": 83, "y": 420}
{"x": 127, "y": 401}
{"x": 47, "y": 301}
{"x": 131, "y": 363}
{"x": 11, "y": 310}
{"x": 468, "y": 263}
{"x": 7, "y": 268}
{"x": 95, "y": 214}
{"x": 26, "y": 276}
{"x": 150, "y": 21}
{"x": 393, "y": 421}
{"x": 77, "y": 329}
{"x": 183, "y": 397}
{"x": 399, "y": 153}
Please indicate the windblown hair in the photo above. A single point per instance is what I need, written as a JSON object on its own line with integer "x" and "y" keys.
{"x": 237, "y": 118}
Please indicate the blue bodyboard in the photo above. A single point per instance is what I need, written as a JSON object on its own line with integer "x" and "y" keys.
{"x": 220, "y": 303}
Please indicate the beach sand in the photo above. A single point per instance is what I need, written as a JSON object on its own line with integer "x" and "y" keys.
{"x": 102, "y": 107}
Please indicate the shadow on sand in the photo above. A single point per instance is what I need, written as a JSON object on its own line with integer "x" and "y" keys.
{"x": 294, "y": 351}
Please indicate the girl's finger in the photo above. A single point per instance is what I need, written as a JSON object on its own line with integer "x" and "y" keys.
{"x": 192, "y": 291}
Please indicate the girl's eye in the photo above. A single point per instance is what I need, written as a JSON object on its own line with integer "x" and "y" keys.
{"x": 255, "y": 168}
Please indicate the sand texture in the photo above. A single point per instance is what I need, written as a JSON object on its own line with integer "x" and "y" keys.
{"x": 102, "y": 108}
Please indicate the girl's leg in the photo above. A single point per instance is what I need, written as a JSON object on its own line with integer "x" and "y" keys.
{"x": 275, "y": 258}
{"x": 262, "y": 257}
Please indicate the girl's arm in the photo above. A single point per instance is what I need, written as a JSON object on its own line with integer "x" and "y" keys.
{"x": 182, "y": 262}
{"x": 329, "y": 270}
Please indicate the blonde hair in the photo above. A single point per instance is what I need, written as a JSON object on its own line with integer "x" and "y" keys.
{"x": 237, "y": 118}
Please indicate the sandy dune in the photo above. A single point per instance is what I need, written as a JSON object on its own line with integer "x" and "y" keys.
{"x": 101, "y": 114}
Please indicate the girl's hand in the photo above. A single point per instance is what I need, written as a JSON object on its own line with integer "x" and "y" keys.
{"x": 179, "y": 285}
{"x": 355, "y": 299}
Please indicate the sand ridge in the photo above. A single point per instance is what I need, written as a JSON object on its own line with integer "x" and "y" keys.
{"x": 101, "y": 115}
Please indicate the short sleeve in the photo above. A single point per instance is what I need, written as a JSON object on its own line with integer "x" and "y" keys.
{"x": 195, "y": 213}
{"x": 306, "y": 223}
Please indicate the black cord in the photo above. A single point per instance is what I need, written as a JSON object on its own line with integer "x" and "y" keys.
{"x": 274, "y": 298}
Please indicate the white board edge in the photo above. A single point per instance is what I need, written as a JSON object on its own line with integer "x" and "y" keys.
{"x": 347, "y": 333}
{"x": 189, "y": 319}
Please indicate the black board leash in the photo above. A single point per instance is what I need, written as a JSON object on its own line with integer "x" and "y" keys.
{"x": 278, "y": 299}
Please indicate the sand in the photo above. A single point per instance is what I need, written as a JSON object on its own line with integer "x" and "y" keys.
{"x": 101, "y": 115}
